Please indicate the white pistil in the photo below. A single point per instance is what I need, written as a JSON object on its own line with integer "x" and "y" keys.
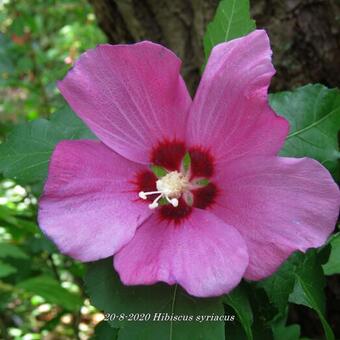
{"x": 171, "y": 187}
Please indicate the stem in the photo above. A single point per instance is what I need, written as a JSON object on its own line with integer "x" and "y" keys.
{"x": 172, "y": 311}
{"x": 3, "y": 330}
{"x": 54, "y": 268}
{"x": 76, "y": 322}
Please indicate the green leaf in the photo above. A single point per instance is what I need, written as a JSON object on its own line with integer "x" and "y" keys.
{"x": 232, "y": 20}
{"x": 238, "y": 300}
{"x": 25, "y": 154}
{"x": 104, "y": 331}
{"x": 10, "y": 250}
{"x": 13, "y": 219}
{"x": 280, "y": 285}
{"x": 52, "y": 292}
{"x": 309, "y": 289}
{"x": 159, "y": 302}
{"x": 333, "y": 265}
{"x": 233, "y": 329}
{"x": 313, "y": 112}
{"x": 41, "y": 243}
{"x": 6, "y": 269}
{"x": 263, "y": 311}
{"x": 282, "y": 332}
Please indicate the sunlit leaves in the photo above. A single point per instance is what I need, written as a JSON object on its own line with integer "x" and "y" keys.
{"x": 232, "y": 20}
{"x": 51, "y": 291}
{"x": 40, "y": 42}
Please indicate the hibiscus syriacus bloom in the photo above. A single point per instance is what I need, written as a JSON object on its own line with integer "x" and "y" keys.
{"x": 237, "y": 211}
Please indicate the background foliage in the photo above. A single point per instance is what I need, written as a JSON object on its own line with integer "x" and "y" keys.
{"x": 45, "y": 295}
{"x": 41, "y": 291}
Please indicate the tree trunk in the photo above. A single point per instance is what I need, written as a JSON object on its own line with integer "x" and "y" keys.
{"x": 304, "y": 34}
{"x": 177, "y": 24}
{"x": 305, "y": 37}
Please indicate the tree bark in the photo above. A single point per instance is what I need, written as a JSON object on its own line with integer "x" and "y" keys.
{"x": 177, "y": 24}
{"x": 305, "y": 35}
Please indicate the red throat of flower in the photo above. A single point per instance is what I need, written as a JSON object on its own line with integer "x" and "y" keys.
{"x": 185, "y": 183}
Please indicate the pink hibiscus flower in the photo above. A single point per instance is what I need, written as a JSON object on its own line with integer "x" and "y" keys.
{"x": 102, "y": 199}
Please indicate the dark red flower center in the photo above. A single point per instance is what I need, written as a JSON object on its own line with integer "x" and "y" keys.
{"x": 186, "y": 184}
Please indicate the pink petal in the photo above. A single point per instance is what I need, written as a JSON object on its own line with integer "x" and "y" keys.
{"x": 230, "y": 114}
{"x": 279, "y": 205}
{"x": 88, "y": 207}
{"x": 203, "y": 254}
{"x": 131, "y": 96}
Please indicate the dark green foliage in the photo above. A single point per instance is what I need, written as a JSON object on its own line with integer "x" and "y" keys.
{"x": 313, "y": 112}
{"x": 333, "y": 264}
{"x": 38, "y": 41}
{"x": 153, "y": 307}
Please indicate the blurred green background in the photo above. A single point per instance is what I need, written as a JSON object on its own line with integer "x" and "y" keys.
{"x": 39, "y": 40}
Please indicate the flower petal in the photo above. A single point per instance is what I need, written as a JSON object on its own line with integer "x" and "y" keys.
{"x": 279, "y": 205}
{"x": 230, "y": 114}
{"x": 131, "y": 96}
{"x": 88, "y": 207}
{"x": 203, "y": 254}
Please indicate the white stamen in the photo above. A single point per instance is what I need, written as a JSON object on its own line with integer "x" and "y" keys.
{"x": 171, "y": 187}
{"x": 174, "y": 202}
{"x": 142, "y": 195}
{"x": 154, "y": 204}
